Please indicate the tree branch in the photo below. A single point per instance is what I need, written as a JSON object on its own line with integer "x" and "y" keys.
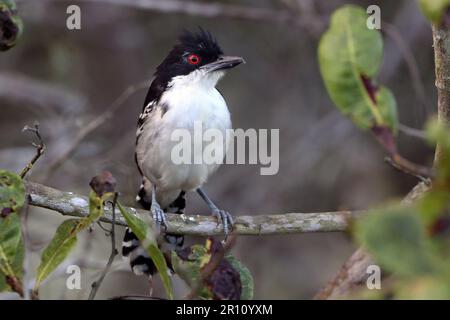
{"x": 70, "y": 204}
{"x": 441, "y": 44}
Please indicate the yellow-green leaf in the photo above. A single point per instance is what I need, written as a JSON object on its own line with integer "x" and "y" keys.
{"x": 65, "y": 237}
{"x": 12, "y": 193}
{"x": 189, "y": 268}
{"x": 146, "y": 233}
{"x": 12, "y": 251}
{"x": 58, "y": 249}
{"x": 11, "y": 25}
{"x": 434, "y": 9}
{"x": 424, "y": 288}
{"x": 96, "y": 208}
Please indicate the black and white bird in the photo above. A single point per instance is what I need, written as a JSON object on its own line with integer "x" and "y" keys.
{"x": 183, "y": 92}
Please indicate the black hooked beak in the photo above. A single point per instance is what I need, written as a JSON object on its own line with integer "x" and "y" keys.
{"x": 224, "y": 62}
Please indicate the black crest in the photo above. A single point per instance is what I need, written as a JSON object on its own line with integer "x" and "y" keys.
{"x": 200, "y": 43}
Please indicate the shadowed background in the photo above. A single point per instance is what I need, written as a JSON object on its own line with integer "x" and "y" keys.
{"x": 64, "y": 79}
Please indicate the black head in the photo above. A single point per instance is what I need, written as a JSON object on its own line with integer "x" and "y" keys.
{"x": 194, "y": 51}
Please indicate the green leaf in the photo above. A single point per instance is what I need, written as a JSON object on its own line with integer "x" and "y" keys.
{"x": 246, "y": 277}
{"x": 58, "y": 249}
{"x": 189, "y": 268}
{"x": 12, "y": 192}
{"x": 434, "y": 9}
{"x": 9, "y": 3}
{"x": 439, "y": 133}
{"x": 65, "y": 237}
{"x": 96, "y": 208}
{"x": 350, "y": 56}
{"x": 396, "y": 238}
{"x": 424, "y": 288}
{"x": 12, "y": 250}
{"x": 146, "y": 233}
{"x": 12, "y": 26}
{"x": 3, "y": 285}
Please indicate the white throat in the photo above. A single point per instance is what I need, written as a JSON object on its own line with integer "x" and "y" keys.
{"x": 197, "y": 78}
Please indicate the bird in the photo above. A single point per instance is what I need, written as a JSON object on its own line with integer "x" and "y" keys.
{"x": 183, "y": 92}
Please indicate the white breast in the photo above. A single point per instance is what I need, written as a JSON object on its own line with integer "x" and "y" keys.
{"x": 186, "y": 104}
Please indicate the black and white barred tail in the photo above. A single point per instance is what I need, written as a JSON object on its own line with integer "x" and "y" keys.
{"x": 140, "y": 262}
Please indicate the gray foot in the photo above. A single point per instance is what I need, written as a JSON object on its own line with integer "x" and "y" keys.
{"x": 158, "y": 214}
{"x": 225, "y": 218}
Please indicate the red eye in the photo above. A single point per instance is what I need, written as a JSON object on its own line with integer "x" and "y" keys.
{"x": 193, "y": 59}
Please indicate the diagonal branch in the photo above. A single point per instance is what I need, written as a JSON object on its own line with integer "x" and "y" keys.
{"x": 70, "y": 204}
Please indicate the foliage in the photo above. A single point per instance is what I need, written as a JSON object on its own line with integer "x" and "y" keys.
{"x": 434, "y": 9}
{"x": 412, "y": 241}
{"x": 12, "y": 198}
{"x": 65, "y": 237}
{"x": 213, "y": 274}
{"x": 11, "y": 26}
{"x": 409, "y": 241}
{"x": 228, "y": 279}
{"x": 147, "y": 232}
{"x": 350, "y": 55}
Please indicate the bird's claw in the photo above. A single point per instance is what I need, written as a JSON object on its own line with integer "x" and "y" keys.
{"x": 225, "y": 218}
{"x": 159, "y": 216}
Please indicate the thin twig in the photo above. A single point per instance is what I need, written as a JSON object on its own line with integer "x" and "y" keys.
{"x": 400, "y": 167}
{"x": 412, "y": 132}
{"x": 40, "y": 148}
{"x": 424, "y": 174}
{"x": 70, "y": 204}
{"x": 95, "y": 124}
{"x": 107, "y": 232}
{"x": 96, "y": 285}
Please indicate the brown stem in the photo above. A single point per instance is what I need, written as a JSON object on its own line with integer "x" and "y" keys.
{"x": 441, "y": 43}
{"x": 422, "y": 173}
{"x": 40, "y": 148}
{"x": 96, "y": 285}
{"x": 15, "y": 284}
